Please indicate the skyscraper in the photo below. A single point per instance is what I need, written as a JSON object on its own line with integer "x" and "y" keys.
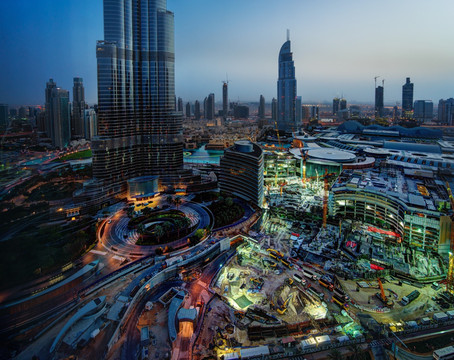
{"x": 225, "y": 99}
{"x": 50, "y": 85}
{"x": 180, "y": 105}
{"x": 446, "y": 111}
{"x": 188, "y": 110}
{"x": 379, "y": 106}
{"x": 343, "y": 104}
{"x": 274, "y": 109}
{"x": 77, "y": 123}
{"x": 197, "y": 114}
{"x": 139, "y": 131}
{"x": 407, "y": 96}
{"x": 298, "y": 110}
{"x": 3, "y": 115}
{"x": 261, "y": 113}
{"x": 335, "y": 105}
{"x": 58, "y": 124}
{"x": 424, "y": 111}
{"x": 286, "y": 90}
{"x": 209, "y": 107}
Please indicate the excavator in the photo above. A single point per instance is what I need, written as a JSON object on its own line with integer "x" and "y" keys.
{"x": 382, "y": 297}
{"x": 283, "y": 308}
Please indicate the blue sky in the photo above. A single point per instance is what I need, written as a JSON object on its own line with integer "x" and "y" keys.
{"x": 338, "y": 46}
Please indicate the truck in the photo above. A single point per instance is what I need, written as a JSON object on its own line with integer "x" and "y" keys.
{"x": 410, "y": 297}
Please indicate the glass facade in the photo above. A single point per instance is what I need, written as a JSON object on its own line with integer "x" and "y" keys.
{"x": 286, "y": 91}
{"x": 139, "y": 131}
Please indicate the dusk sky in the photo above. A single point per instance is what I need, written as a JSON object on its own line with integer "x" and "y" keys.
{"x": 338, "y": 47}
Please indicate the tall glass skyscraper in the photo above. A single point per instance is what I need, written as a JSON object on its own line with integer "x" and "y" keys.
{"x": 139, "y": 131}
{"x": 77, "y": 123}
{"x": 286, "y": 90}
{"x": 407, "y": 96}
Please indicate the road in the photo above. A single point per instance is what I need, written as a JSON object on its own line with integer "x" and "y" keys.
{"x": 118, "y": 239}
{"x": 130, "y": 330}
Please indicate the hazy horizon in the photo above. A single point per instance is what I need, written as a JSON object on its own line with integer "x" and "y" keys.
{"x": 338, "y": 48}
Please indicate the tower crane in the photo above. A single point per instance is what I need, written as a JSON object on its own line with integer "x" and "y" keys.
{"x": 450, "y": 277}
{"x": 325, "y": 198}
{"x": 304, "y": 155}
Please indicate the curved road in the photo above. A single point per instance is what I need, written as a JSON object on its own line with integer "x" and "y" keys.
{"x": 118, "y": 239}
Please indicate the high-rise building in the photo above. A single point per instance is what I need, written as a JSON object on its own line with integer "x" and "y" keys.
{"x": 241, "y": 111}
{"x": 343, "y": 104}
{"x": 209, "y": 107}
{"x": 90, "y": 124}
{"x": 335, "y": 105}
{"x": 446, "y": 111}
{"x": 197, "y": 114}
{"x": 188, "y": 110}
{"x": 298, "y": 110}
{"x": 274, "y": 109}
{"x": 50, "y": 85}
{"x": 261, "y": 112}
{"x": 139, "y": 131}
{"x": 286, "y": 90}
{"x": 424, "y": 111}
{"x": 379, "y": 106}
{"x": 4, "y": 115}
{"x": 407, "y": 96}
{"x": 180, "y": 105}
{"x": 77, "y": 121}
{"x": 58, "y": 123}
{"x": 241, "y": 172}
{"x": 225, "y": 99}
{"x": 23, "y": 112}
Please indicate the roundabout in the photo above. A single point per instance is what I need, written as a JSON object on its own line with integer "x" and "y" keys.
{"x": 117, "y": 237}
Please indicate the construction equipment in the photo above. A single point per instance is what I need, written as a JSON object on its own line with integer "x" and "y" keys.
{"x": 289, "y": 282}
{"x": 278, "y": 137}
{"x": 382, "y": 297}
{"x": 283, "y": 308}
{"x": 450, "y": 277}
{"x": 325, "y": 198}
{"x": 275, "y": 254}
{"x": 304, "y": 155}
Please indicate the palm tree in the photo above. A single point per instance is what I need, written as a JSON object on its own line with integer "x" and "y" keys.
{"x": 159, "y": 232}
{"x": 169, "y": 199}
{"x": 177, "y": 201}
{"x": 357, "y": 351}
{"x": 179, "y": 225}
{"x": 167, "y": 226}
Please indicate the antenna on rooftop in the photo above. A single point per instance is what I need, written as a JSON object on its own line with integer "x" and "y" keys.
{"x": 288, "y": 34}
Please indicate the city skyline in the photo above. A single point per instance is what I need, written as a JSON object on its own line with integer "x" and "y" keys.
{"x": 336, "y": 59}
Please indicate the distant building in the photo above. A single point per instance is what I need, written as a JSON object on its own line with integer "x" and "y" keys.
{"x": 188, "y": 110}
{"x": 379, "y": 105}
{"x": 261, "y": 113}
{"x": 58, "y": 124}
{"x": 209, "y": 107}
{"x": 298, "y": 111}
{"x": 274, "y": 109}
{"x": 13, "y": 113}
{"x": 355, "y": 111}
{"x": 286, "y": 90}
{"x": 315, "y": 114}
{"x": 77, "y": 121}
{"x": 23, "y": 112}
{"x": 4, "y": 118}
{"x": 343, "y": 104}
{"x": 197, "y": 114}
{"x": 225, "y": 99}
{"x": 446, "y": 111}
{"x": 407, "y": 96}
{"x": 423, "y": 111}
{"x": 241, "y": 112}
{"x": 242, "y": 171}
{"x": 180, "y": 105}
{"x": 335, "y": 105}
{"x": 90, "y": 124}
